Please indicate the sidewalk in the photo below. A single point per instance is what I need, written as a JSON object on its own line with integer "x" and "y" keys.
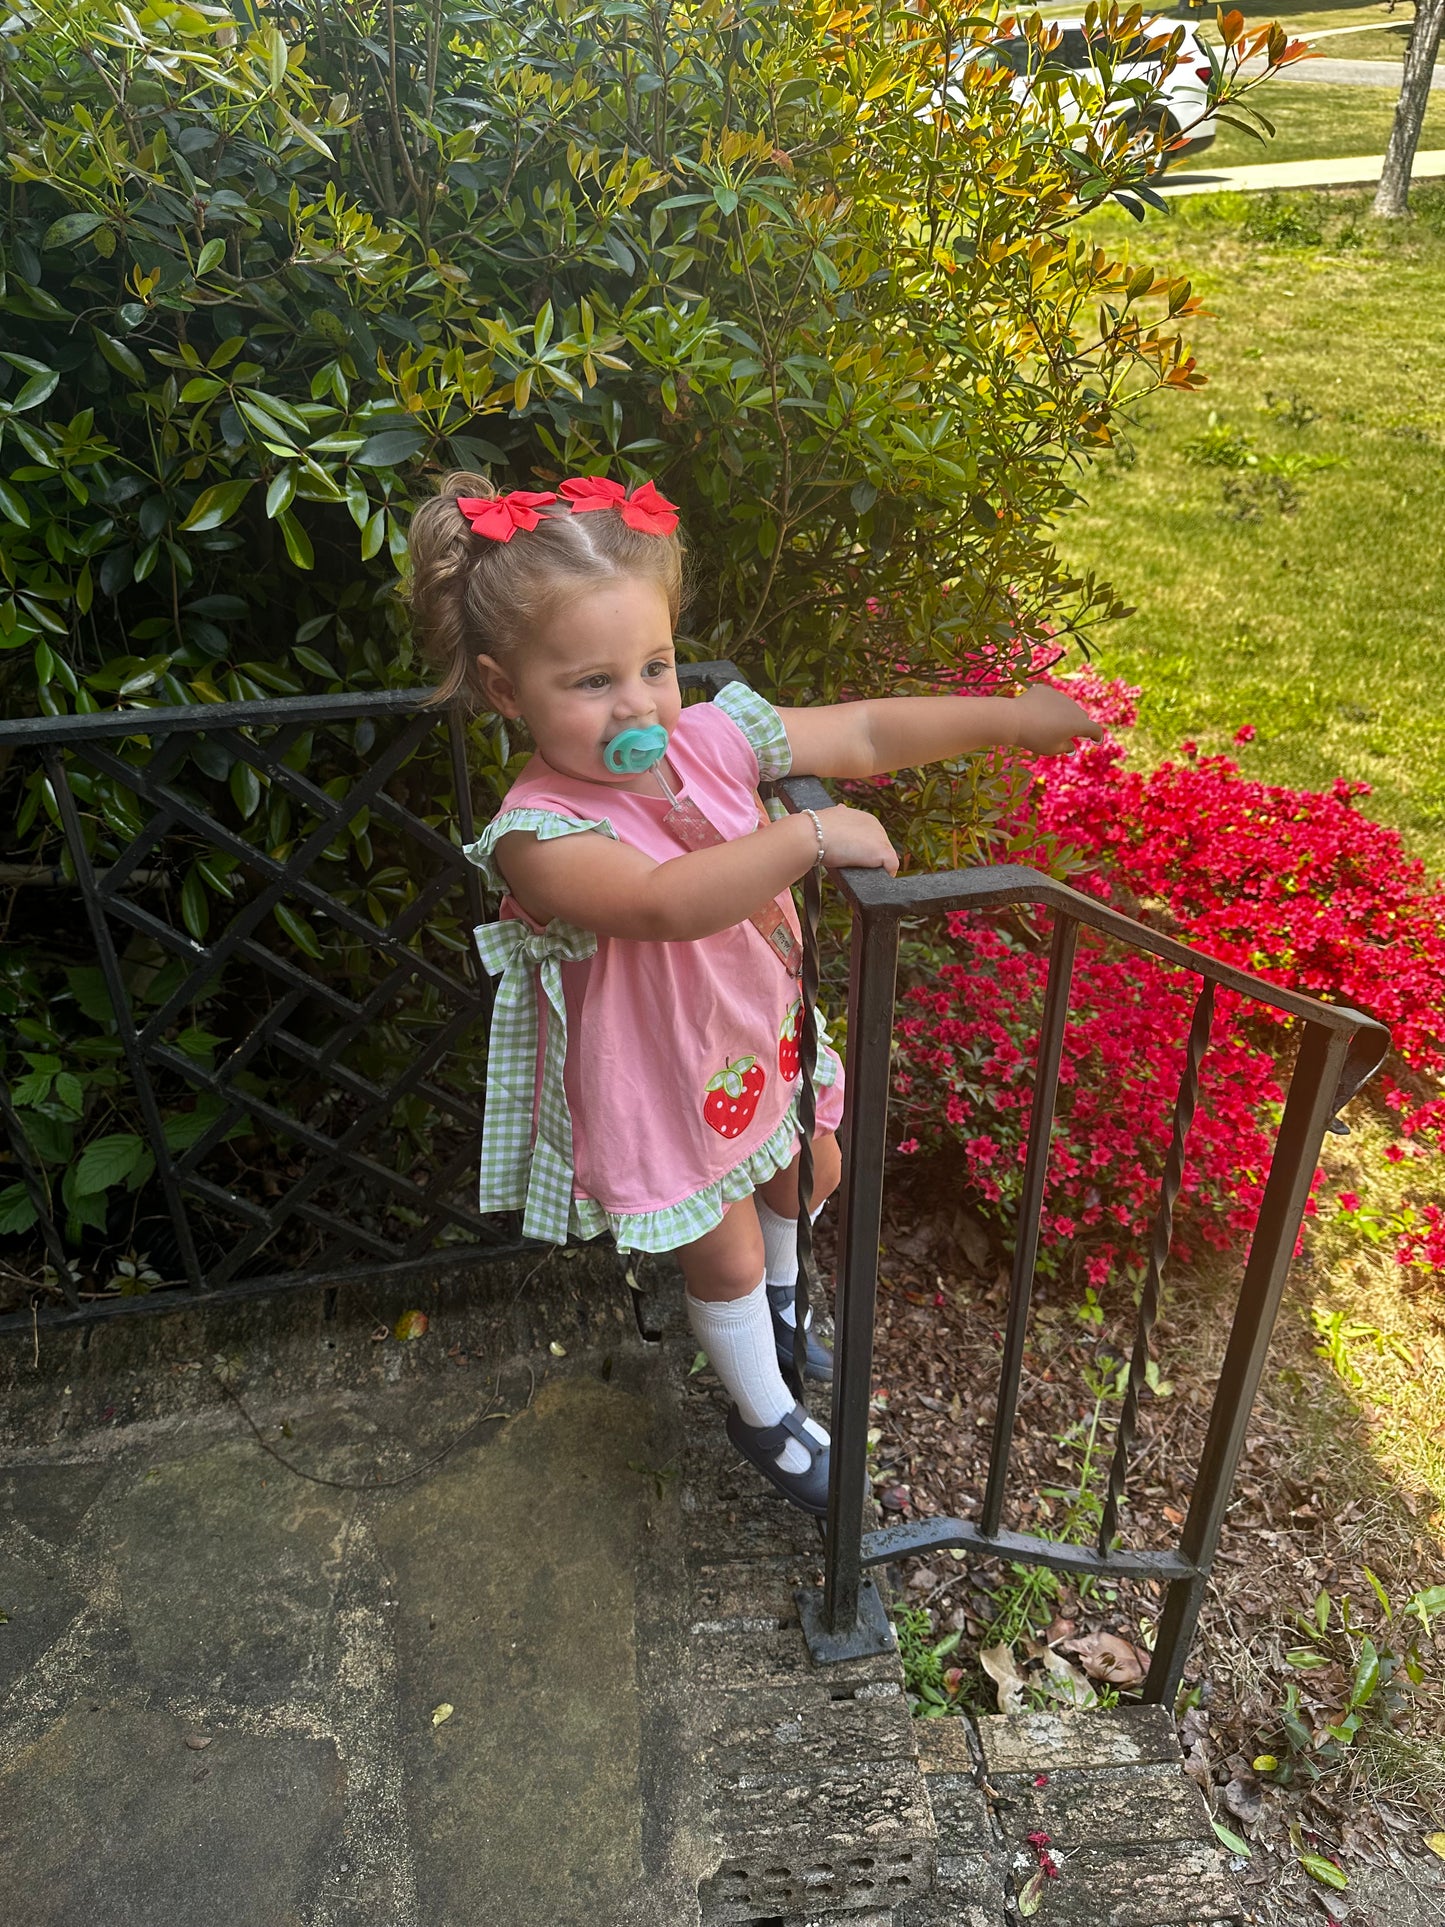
{"x": 1354, "y": 170}
{"x": 1347, "y": 73}
{"x": 556, "y": 1680}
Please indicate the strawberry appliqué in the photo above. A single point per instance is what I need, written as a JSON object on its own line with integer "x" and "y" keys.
{"x": 788, "y": 1041}
{"x": 732, "y": 1096}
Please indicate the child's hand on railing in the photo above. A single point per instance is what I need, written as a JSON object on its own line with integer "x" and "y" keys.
{"x": 854, "y": 840}
{"x": 1047, "y": 721}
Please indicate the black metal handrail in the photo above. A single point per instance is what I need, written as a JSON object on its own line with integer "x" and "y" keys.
{"x": 1339, "y": 1049}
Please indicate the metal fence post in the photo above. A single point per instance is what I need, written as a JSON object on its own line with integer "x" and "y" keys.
{"x": 848, "y": 1619}
{"x": 1311, "y": 1102}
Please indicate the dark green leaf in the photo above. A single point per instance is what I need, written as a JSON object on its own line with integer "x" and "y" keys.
{"x": 216, "y": 505}
{"x": 298, "y": 542}
{"x": 392, "y": 446}
{"x": 245, "y": 788}
{"x": 13, "y": 505}
{"x": 298, "y": 930}
{"x": 17, "y": 1213}
{"x": 195, "y": 905}
{"x": 108, "y": 1160}
{"x": 71, "y": 228}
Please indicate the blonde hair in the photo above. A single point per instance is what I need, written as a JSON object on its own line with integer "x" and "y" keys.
{"x": 472, "y": 596}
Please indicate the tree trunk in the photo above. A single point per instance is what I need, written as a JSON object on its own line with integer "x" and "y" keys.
{"x": 1393, "y": 196}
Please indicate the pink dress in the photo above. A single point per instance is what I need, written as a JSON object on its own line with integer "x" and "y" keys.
{"x": 641, "y": 1087}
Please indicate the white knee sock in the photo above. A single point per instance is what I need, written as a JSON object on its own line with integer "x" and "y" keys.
{"x": 737, "y": 1335}
{"x": 780, "y": 1250}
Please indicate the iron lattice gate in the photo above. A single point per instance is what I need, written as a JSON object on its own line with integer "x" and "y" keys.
{"x": 256, "y": 952}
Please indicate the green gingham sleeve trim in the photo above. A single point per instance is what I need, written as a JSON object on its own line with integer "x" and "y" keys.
{"x": 761, "y": 724}
{"x": 544, "y": 825}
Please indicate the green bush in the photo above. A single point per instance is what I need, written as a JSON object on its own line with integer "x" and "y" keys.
{"x": 266, "y": 270}
{"x": 262, "y": 275}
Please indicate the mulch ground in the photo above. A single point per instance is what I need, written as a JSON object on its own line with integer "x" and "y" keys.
{"x": 1311, "y": 1510}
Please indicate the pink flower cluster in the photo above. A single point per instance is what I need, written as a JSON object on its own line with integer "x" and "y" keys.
{"x": 1293, "y": 886}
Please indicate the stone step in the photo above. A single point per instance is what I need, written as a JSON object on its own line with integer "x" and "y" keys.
{"x": 815, "y": 1799}
{"x": 1102, "y": 1794}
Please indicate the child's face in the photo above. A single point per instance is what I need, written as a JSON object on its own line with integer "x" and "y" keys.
{"x": 604, "y": 662}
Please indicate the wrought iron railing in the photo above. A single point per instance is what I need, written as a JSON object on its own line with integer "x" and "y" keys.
{"x": 1338, "y": 1049}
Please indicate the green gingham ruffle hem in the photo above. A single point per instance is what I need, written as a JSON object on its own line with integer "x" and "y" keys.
{"x": 678, "y": 1224}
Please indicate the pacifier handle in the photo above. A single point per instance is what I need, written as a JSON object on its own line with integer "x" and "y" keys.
{"x": 632, "y": 751}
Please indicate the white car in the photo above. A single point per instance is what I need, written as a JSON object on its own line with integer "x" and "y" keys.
{"x": 1178, "y": 100}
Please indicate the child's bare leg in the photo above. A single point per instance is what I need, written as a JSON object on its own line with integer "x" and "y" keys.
{"x": 727, "y": 1261}
{"x": 727, "y": 1307}
{"x": 780, "y": 1192}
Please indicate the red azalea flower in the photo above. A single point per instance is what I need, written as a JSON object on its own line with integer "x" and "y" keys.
{"x": 1296, "y": 886}
{"x": 498, "y": 517}
{"x": 1246, "y": 734}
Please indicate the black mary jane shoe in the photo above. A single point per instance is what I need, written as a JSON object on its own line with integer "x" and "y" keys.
{"x": 820, "y": 1359}
{"x": 761, "y": 1444}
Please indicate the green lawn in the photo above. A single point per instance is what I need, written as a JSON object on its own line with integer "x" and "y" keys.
{"x": 1314, "y": 121}
{"x": 1380, "y": 43}
{"x": 1324, "y": 627}
{"x": 1299, "y": 21}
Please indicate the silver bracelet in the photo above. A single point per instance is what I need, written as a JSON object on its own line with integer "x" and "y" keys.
{"x": 818, "y": 832}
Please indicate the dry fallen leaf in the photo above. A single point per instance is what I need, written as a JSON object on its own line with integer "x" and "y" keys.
{"x": 443, "y": 1712}
{"x": 1106, "y": 1656}
{"x": 1066, "y": 1682}
{"x": 411, "y": 1324}
{"x": 1436, "y": 1843}
{"x": 1245, "y": 1799}
{"x": 998, "y": 1663}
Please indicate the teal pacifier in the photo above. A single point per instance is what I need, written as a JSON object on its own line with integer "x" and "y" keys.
{"x": 634, "y": 750}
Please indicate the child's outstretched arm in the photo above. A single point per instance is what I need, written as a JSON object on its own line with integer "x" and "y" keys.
{"x": 901, "y": 732}
{"x": 617, "y": 891}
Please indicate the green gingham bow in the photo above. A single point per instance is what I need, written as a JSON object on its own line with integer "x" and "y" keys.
{"x": 513, "y": 952}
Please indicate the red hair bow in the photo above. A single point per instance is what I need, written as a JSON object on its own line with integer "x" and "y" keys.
{"x": 644, "y": 510}
{"x": 500, "y": 516}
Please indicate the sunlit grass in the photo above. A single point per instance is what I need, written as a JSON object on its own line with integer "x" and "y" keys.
{"x": 1315, "y": 121}
{"x": 1323, "y": 628}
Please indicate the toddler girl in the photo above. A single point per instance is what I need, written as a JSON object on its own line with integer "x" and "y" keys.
{"x": 642, "y": 1073}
